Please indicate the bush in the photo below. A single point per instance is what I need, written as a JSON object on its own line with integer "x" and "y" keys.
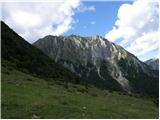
{"x": 156, "y": 101}
{"x": 82, "y": 90}
{"x": 94, "y": 94}
{"x": 29, "y": 79}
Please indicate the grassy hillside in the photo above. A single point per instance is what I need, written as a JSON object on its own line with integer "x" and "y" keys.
{"x": 33, "y": 86}
{"x": 26, "y": 96}
{"x": 29, "y": 59}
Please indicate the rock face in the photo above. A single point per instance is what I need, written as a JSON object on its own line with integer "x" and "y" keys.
{"x": 153, "y": 63}
{"x": 97, "y": 61}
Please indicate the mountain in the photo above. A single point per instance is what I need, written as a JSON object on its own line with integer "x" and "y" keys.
{"x": 34, "y": 86}
{"x": 24, "y": 57}
{"x": 101, "y": 63}
{"x": 153, "y": 63}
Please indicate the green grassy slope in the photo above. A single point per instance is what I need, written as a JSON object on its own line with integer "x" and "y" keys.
{"x": 25, "y": 96}
{"x": 29, "y": 59}
{"x": 33, "y": 86}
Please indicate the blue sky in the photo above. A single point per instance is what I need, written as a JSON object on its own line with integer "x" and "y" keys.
{"x": 104, "y": 16}
{"x": 132, "y": 24}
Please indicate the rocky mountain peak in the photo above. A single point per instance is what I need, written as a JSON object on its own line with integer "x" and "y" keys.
{"x": 153, "y": 63}
{"x": 95, "y": 59}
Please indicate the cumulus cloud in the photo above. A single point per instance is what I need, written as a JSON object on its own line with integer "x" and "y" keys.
{"x": 137, "y": 27}
{"x": 33, "y": 20}
{"x": 144, "y": 44}
{"x": 37, "y": 19}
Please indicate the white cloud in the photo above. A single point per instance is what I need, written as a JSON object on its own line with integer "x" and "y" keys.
{"x": 84, "y": 8}
{"x": 93, "y": 22}
{"x": 144, "y": 44}
{"x": 37, "y": 19}
{"x": 137, "y": 26}
{"x": 91, "y": 8}
{"x": 33, "y": 20}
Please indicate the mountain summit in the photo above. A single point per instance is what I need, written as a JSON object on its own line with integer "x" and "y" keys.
{"x": 153, "y": 63}
{"x": 100, "y": 62}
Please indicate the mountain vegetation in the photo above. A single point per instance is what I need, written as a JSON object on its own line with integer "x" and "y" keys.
{"x": 27, "y": 96}
{"x": 101, "y": 63}
{"x": 35, "y": 86}
{"x": 28, "y": 59}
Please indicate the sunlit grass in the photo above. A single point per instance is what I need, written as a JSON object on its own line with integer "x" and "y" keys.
{"x": 25, "y": 96}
